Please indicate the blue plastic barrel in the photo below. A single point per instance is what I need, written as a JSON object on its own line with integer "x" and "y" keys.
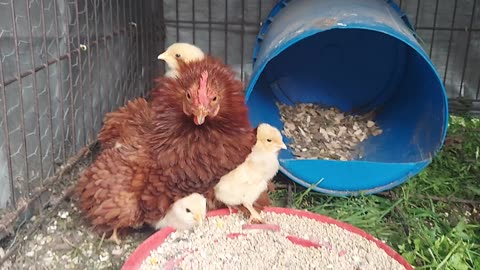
{"x": 357, "y": 56}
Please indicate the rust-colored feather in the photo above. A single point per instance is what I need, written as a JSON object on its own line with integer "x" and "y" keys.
{"x": 109, "y": 197}
{"x": 127, "y": 125}
{"x": 153, "y": 153}
{"x": 192, "y": 158}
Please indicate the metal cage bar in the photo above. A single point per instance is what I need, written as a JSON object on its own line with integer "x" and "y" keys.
{"x": 25, "y": 186}
{"x": 49, "y": 91}
{"x": 35, "y": 93}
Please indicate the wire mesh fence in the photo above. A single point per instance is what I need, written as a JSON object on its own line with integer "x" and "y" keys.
{"x": 65, "y": 63}
{"x": 449, "y": 31}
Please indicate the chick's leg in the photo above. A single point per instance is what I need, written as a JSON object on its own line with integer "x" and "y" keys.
{"x": 232, "y": 208}
{"x": 254, "y": 215}
{"x": 114, "y": 237}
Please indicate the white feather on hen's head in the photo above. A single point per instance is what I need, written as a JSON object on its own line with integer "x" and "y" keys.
{"x": 185, "y": 213}
{"x": 185, "y": 52}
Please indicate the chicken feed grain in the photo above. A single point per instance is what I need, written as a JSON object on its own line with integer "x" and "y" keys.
{"x": 221, "y": 243}
{"x": 325, "y": 133}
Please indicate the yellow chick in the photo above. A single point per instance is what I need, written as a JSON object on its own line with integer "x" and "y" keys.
{"x": 180, "y": 51}
{"x": 185, "y": 213}
{"x": 244, "y": 184}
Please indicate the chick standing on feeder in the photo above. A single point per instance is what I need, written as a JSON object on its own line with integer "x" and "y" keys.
{"x": 244, "y": 184}
{"x": 185, "y": 213}
{"x": 185, "y": 52}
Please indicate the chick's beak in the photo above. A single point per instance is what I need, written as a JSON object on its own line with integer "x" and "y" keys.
{"x": 283, "y": 146}
{"x": 198, "y": 218}
{"x": 199, "y": 116}
{"x": 161, "y": 56}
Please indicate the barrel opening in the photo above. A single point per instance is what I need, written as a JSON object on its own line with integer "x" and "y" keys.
{"x": 357, "y": 71}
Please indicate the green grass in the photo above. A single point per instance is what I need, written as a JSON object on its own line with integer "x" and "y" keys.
{"x": 420, "y": 221}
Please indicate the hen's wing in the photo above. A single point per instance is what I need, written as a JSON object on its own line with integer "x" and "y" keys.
{"x": 109, "y": 190}
{"x": 126, "y": 125}
{"x": 156, "y": 198}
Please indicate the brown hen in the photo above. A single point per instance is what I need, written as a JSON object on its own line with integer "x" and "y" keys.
{"x": 191, "y": 131}
{"x": 201, "y": 132}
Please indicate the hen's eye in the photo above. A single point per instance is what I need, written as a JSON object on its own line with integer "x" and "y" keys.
{"x": 214, "y": 99}
{"x": 188, "y": 210}
{"x": 188, "y": 95}
{"x": 269, "y": 140}
{"x": 177, "y": 55}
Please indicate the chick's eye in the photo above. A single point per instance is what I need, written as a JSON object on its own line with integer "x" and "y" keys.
{"x": 214, "y": 98}
{"x": 177, "y": 55}
{"x": 188, "y": 210}
{"x": 269, "y": 140}
{"x": 188, "y": 95}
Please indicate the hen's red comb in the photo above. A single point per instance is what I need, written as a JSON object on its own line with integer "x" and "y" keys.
{"x": 202, "y": 89}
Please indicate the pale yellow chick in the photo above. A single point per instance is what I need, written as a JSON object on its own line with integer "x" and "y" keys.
{"x": 180, "y": 51}
{"x": 185, "y": 213}
{"x": 244, "y": 184}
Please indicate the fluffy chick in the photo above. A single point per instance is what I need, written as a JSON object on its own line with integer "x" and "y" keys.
{"x": 185, "y": 52}
{"x": 185, "y": 213}
{"x": 244, "y": 184}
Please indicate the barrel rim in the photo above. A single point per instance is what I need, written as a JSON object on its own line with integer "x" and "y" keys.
{"x": 344, "y": 193}
{"x": 284, "y": 3}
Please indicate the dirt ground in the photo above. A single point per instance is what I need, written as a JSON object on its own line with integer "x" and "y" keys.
{"x": 63, "y": 239}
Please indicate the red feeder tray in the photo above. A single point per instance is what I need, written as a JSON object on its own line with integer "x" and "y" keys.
{"x": 143, "y": 251}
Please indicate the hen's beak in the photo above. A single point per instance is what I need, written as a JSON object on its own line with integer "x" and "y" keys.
{"x": 161, "y": 56}
{"x": 198, "y": 218}
{"x": 283, "y": 146}
{"x": 199, "y": 116}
